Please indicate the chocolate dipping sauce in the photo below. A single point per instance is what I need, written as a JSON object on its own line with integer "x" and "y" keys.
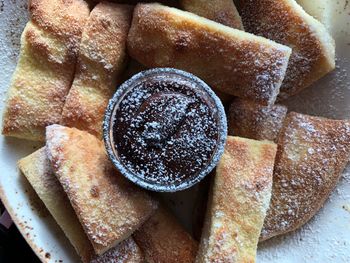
{"x": 165, "y": 129}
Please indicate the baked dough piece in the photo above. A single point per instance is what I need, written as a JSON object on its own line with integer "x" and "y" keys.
{"x": 102, "y": 59}
{"x": 312, "y": 153}
{"x": 163, "y": 240}
{"x": 237, "y": 205}
{"x": 221, "y": 11}
{"x": 285, "y": 22}
{"x": 228, "y": 59}
{"x": 37, "y": 169}
{"x": 45, "y": 68}
{"x": 108, "y": 206}
{"x": 254, "y": 121}
{"x": 322, "y": 10}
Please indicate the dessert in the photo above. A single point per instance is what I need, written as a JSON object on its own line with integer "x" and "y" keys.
{"x": 238, "y": 202}
{"x": 254, "y": 121}
{"x": 37, "y": 169}
{"x": 45, "y": 68}
{"x": 229, "y": 60}
{"x": 101, "y": 61}
{"x": 163, "y": 240}
{"x": 322, "y": 10}
{"x": 285, "y": 22}
{"x": 109, "y": 207}
{"x": 165, "y": 129}
{"x": 312, "y": 153}
{"x": 221, "y": 11}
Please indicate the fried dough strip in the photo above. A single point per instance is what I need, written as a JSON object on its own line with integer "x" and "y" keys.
{"x": 312, "y": 153}
{"x": 37, "y": 169}
{"x": 238, "y": 202}
{"x": 254, "y": 121}
{"x": 320, "y": 9}
{"x": 285, "y": 22}
{"x": 102, "y": 59}
{"x": 228, "y": 59}
{"x": 45, "y": 68}
{"x": 109, "y": 207}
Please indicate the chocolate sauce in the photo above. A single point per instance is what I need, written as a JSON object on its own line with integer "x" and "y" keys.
{"x": 165, "y": 130}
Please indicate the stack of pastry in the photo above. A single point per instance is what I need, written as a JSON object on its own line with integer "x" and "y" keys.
{"x": 271, "y": 179}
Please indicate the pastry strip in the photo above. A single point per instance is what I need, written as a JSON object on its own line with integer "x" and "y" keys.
{"x": 238, "y": 202}
{"x": 109, "y": 207}
{"x": 312, "y": 153}
{"x": 45, "y": 68}
{"x": 101, "y": 61}
{"x": 322, "y": 10}
{"x": 285, "y": 22}
{"x": 228, "y": 59}
{"x": 37, "y": 169}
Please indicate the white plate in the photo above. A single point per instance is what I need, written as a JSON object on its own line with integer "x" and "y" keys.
{"x": 324, "y": 238}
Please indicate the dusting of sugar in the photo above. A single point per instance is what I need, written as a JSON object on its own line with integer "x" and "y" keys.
{"x": 55, "y": 137}
{"x": 171, "y": 125}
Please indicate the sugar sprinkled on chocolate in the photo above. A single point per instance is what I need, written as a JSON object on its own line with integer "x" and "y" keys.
{"x": 172, "y": 138}
{"x": 167, "y": 130}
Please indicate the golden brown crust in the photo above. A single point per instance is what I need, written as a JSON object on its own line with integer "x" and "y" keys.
{"x": 237, "y": 205}
{"x": 254, "y": 121}
{"x": 108, "y": 206}
{"x": 285, "y": 22}
{"x": 163, "y": 240}
{"x": 102, "y": 59}
{"x": 221, "y": 11}
{"x": 61, "y": 18}
{"x": 45, "y": 68}
{"x": 37, "y": 169}
{"x": 229, "y": 60}
{"x": 312, "y": 153}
